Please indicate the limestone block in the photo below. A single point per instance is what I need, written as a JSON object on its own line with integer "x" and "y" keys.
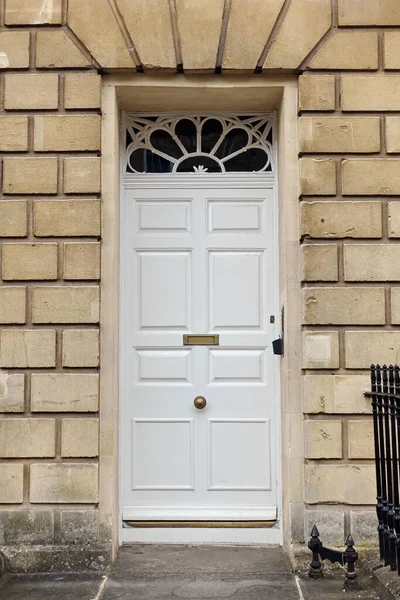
{"x": 308, "y": 22}
{"x": 364, "y": 348}
{"x": 317, "y": 177}
{"x": 27, "y": 348}
{"x": 80, "y": 348}
{"x": 320, "y": 350}
{"x": 249, "y": 27}
{"x": 316, "y": 92}
{"x": 64, "y": 483}
{"x": 339, "y": 134}
{"x": 82, "y": 175}
{"x": 14, "y": 49}
{"x": 62, "y": 218}
{"x": 339, "y": 483}
{"x": 28, "y": 527}
{"x": 199, "y": 27}
{"x": 13, "y": 218}
{"x": 370, "y": 92}
{"x": 344, "y": 306}
{"x": 31, "y": 91}
{"x": 29, "y": 261}
{"x": 55, "y": 49}
{"x": 12, "y": 388}
{"x": 94, "y": 24}
{"x": 395, "y": 305}
{"x": 27, "y": 438}
{"x": 13, "y": 134}
{"x": 394, "y": 219}
{"x": 348, "y": 50}
{"x": 323, "y": 439}
{"x": 371, "y": 177}
{"x": 82, "y": 261}
{"x": 341, "y": 219}
{"x": 369, "y": 12}
{"x": 64, "y": 392}
{"x": 391, "y": 50}
{"x": 30, "y": 175}
{"x": 66, "y": 304}
{"x": 330, "y": 525}
{"x": 82, "y": 90}
{"x": 149, "y": 24}
{"x": 335, "y": 394}
{"x": 392, "y": 134}
{"x": 371, "y": 262}
{"x": 363, "y": 524}
{"x": 12, "y": 305}
{"x": 34, "y": 12}
{"x": 319, "y": 262}
{"x": 67, "y": 133}
{"x": 361, "y": 439}
{"x": 79, "y": 438}
{"x": 11, "y": 483}
{"x": 79, "y": 527}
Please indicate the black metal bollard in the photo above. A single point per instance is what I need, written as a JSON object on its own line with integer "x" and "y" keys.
{"x": 349, "y": 557}
{"x": 314, "y": 545}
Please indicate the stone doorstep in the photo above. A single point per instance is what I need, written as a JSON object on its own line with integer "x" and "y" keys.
{"x": 54, "y": 559}
{"x": 386, "y": 581}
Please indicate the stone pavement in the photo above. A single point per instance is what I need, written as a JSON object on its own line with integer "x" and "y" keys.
{"x": 173, "y": 572}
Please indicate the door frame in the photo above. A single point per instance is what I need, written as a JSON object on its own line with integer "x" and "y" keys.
{"x": 229, "y": 93}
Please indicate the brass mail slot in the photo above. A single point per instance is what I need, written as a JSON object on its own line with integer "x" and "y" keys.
{"x": 200, "y": 340}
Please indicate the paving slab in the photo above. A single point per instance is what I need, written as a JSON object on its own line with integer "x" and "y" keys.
{"x": 50, "y": 586}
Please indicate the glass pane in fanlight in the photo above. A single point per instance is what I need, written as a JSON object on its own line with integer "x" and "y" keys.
{"x": 235, "y": 140}
{"x": 185, "y": 130}
{"x": 145, "y": 161}
{"x": 253, "y": 159}
{"x": 163, "y": 142}
{"x": 211, "y": 132}
{"x": 199, "y": 164}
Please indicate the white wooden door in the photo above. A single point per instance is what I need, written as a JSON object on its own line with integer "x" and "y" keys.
{"x": 199, "y": 260}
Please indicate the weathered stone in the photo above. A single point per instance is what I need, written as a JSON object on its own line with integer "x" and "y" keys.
{"x": 392, "y": 134}
{"x": 27, "y": 348}
{"x": 11, "y": 483}
{"x": 320, "y": 350}
{"x": 82, "y": 175}
{"x": 391, "y": 52}
{"x": 12, "y": 305}
{"x": 80, "y": 348}
{"x": 366, "y": 347}
{"x": 371, "y": 177}
{"x": 323, "y": 439}
{"x": 310, "y": 20}
{"x": 82, "y": 90}
{"x": 330, "y": 525}
{"x": 361, "y": 439}
{"x": 395, "y": 306}
{"x": 28, "y": 527}
{"x": 29, "y": 261}
{"x": 339, "y": 134}
{"x": 339, "y": 483}
{"x": 344, "y": 306}
{"x": 67, "y": 133}
{"x": 342, "y": 219}
{"x": 82, "y": 261}
{"x": 79, "y": 438}
{"x": 79, "y": 527}
{"x": 371, "y": 262}
{"x": 34, "y": 12}
{"x": 63, "y": 483}
{"x": 27, "y": 438}
{"x": 370, "y": 92}
{"x": 317, "y": 177}
{"x": 12, "y": 387}
{"x": 13, "y": 134}
{"x": 336, "y": 394}
{"x": 30, "y": 175}
{"x": 61, "y": 218}
{"x": 369, "y": 12}
{"x": 316, "y": 92}
{"x": 64, "y": 392}
{"x": 65, "y": 304}
{"x": 43, "y": 91}
{"x": 394, "y": 219}
{"x": 250, "y": 25}
{"x": 55, "y": 49}
{"x": 319, "y": 262}
{"x": 13, "y": 218}
{"x": 14, "y": 49}
{"x": 348, "y": 50}
{"x": 363, "y": 526}
{"x": 94, "y": 24}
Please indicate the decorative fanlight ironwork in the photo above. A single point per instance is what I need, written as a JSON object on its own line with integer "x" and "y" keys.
{"x": 199, "y": 144}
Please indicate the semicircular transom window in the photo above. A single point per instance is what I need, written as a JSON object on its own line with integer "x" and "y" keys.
{"x": 199, "y": 144}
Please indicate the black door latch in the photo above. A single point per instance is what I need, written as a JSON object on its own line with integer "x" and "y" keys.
{"x": 277, "y": 346}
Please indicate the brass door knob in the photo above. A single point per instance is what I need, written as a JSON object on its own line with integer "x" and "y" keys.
{"x": 200, "y": 402}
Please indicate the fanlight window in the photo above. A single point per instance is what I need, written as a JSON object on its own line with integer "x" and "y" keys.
{"x": 199, "y": 144}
